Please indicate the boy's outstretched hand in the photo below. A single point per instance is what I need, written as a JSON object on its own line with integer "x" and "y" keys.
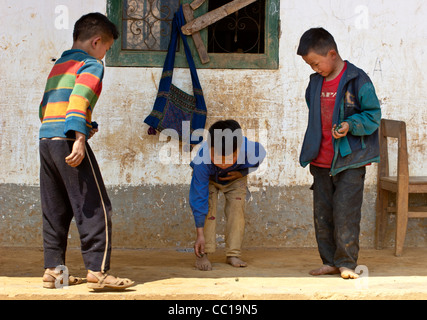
{"x": 78, "y": 153}
{"x": 341, "y": 131}
{"x": 233, "y": 175}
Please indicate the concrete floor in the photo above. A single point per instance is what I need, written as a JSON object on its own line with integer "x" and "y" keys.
{"x": 272, "y": 274}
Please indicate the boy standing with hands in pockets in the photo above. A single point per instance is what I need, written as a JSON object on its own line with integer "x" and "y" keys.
{"x": 341, "y": 139}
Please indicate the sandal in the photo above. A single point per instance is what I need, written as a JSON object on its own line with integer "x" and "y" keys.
{"x": 118, "y": 284}
{"x": 52, "y": 284}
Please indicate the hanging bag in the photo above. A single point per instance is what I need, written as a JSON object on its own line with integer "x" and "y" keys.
{"x": 172, "y": 105}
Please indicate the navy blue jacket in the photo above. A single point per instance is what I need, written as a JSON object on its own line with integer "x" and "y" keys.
{"x": 358, "y": 105}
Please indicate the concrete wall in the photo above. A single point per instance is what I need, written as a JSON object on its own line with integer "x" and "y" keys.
{"x": 149, "y": 191}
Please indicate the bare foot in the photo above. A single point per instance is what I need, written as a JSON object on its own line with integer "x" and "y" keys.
{"x": 347, "y": 273}
{"x": 324, "y": 270}
{"x": 236, "y": 262}
{"x": 203, "y": 263}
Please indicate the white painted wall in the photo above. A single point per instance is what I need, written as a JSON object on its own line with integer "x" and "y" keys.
{"x": 385, "y": 38}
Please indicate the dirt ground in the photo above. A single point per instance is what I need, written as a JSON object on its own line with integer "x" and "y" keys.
{"x": 272, "y": 274}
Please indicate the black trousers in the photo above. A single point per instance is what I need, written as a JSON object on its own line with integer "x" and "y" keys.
{"x": 337, "y": 203}
{"x": 78, "y": 192}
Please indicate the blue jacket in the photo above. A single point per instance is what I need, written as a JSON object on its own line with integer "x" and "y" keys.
{"x": 250, "y": 156}
{"x": 358, "y": 105}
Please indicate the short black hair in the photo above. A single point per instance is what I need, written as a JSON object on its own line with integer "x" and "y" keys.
{"x": 225, "y": 135}
{"x": 318, "y": 40}
{"x": 93, "y": 24}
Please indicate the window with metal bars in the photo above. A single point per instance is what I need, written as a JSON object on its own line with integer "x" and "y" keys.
{"x": 247, "y": 38}
{"x": 241, "y": 32}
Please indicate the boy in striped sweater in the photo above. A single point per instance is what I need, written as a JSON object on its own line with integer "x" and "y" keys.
{"x": 71, "y": 184}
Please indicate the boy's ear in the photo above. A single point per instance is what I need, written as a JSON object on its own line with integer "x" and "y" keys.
{"x": 332, "y": 53}
{"x": 95, "y": 41}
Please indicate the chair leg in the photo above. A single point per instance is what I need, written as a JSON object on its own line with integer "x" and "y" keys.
{"x": 381, "y": 218}
{"x": 401, "y": 221}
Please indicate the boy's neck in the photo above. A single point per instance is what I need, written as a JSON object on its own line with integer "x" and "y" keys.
{"x": 85, "y": 46}
{"x": 339, "y": 66}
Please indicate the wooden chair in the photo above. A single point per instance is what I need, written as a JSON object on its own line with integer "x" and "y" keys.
{"x": 402, "y": 185}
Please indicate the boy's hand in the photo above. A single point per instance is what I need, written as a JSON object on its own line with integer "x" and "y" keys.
{"x": 92, "y": 132}
{"x": 233, "y": 175}
{"x": 199, "y": 245}
{"x": 341, "y": 131}
{"x": 78, "y": 153}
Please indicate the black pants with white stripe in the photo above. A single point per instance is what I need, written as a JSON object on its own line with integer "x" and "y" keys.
{"x": 78, "y": 192}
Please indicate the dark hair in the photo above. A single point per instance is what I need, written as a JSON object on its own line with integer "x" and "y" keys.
{"x": 93, "y": 24}
{"x": 226, "y": 135}
{"x": 318, "y": 40}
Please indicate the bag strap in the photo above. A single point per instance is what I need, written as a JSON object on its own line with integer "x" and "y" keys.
{"x": 166, "y": 81}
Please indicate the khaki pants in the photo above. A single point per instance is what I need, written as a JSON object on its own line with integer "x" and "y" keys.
{"x": 235, "y": 198}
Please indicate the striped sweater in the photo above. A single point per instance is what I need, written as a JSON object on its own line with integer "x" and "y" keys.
{"x": 71, "y": 92}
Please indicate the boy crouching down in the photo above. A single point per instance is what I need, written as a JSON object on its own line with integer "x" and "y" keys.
{"x": 222, "y": 165}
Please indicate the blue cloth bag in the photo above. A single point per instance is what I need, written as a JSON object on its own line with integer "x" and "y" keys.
{"x": 172, "y": 105}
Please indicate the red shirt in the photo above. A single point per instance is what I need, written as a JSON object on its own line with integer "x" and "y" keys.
{"x": 327, "y": 103}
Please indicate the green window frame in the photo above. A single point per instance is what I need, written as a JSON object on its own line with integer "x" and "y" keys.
{"x": 116, "y": 57}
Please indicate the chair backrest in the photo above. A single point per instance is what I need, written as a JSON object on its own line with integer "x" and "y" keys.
{"x": 393, "y": 129}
